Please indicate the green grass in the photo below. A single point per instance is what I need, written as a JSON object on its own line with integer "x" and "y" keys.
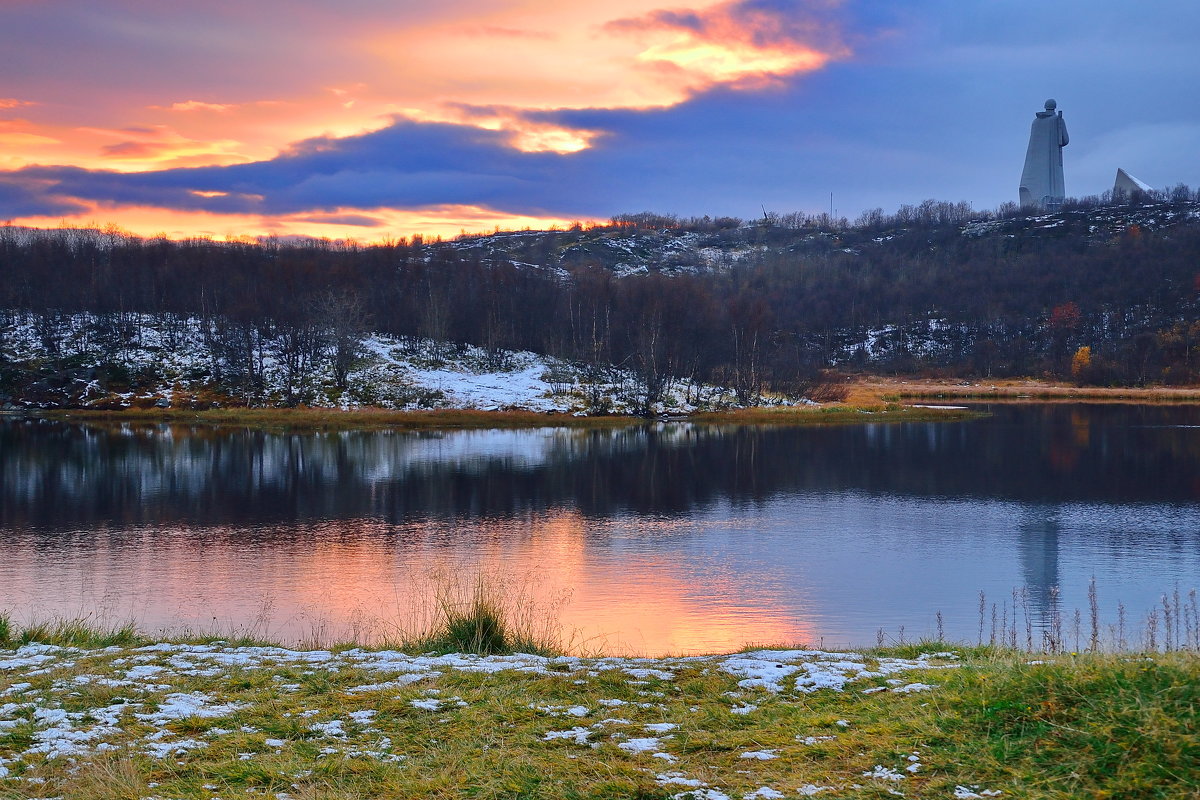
{"x": 1085, "y": 726}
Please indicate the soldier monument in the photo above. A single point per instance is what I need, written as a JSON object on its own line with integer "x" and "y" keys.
{"x": 1042, "y": 179}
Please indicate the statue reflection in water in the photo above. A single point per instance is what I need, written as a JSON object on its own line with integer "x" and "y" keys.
{"x": 1037, "y": 546}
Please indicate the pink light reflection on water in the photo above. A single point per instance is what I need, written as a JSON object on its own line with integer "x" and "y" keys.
{"x": 368, "y": 580}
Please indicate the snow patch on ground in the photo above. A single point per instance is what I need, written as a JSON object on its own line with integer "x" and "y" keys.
{"x": 59, "y": 733}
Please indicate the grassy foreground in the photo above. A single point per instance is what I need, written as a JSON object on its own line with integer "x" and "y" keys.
{"x": 107, "y": 714}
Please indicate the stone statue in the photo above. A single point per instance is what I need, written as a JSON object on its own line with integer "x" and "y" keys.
{"x": 1042, "y": 178}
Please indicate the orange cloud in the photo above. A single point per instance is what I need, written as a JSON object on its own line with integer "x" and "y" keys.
{"x": 514, "y": 57}
{"x": 517, "y": 55}
{"x": 364, "y": 225}
{"x": 527, "y": 135}
{"x": 197, "y": 105}
{"x": 735, "y": 43}
{"x": 589, "y": 56}
{"x": 140, "y": 148}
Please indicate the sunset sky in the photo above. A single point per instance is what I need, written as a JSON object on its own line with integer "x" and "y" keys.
{"x": 382, "y": 118}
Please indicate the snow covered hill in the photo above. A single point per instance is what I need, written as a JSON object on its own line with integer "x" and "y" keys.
{"x": 89, "y": 361}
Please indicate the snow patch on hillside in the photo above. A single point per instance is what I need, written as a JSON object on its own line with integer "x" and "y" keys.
{"x": 167, "y": 361}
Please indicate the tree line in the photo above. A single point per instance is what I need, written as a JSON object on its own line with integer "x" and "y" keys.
{"x": 931, "y": 288}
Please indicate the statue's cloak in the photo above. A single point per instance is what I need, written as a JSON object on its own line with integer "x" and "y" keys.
{"x": 1042, "y": 179}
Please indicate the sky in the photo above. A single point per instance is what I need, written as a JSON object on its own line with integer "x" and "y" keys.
{"x": 377, "y": 119}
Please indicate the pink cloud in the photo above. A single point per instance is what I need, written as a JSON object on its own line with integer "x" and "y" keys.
{"x": 197, "y": 105}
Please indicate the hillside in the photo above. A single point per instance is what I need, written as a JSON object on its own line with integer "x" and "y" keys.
{"x": 636, "y": 313}
{"x": 655, "y": 243}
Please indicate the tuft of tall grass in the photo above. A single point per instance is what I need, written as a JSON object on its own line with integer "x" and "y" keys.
{"x": 485, "y": 616}
{"x": 79, "y": 632}
{"x": 1174, "y": 625}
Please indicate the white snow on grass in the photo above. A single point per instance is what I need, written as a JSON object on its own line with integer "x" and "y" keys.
{"x": 400, "y": 682}
{"x": 763, "y": 793}
{"x": 60, "y": 733}
{"x": 30, "y": 655}
{"x": 562, "y": 711}
{"x": 914, "y": 687}
{"x": 813, "y": 740}
{"x": 647, "y": 744}
{"x": 760, "y": 755}
{"x": 815, "y": 669}
{"x": 701, "y": 794}
{"x": 438, "y": 704}
{"x": 183, "y": 706}
{"x": 164, "y": 748}
{"x": 334, "y": 728}
{"x": 578, "y": 735}
{"x": 883, "y": 773}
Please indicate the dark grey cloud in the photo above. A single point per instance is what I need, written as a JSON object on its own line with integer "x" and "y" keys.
{"x": 20, "y": 198}
{"x": 763, "y": 23}
{"x": 407, "y": 165}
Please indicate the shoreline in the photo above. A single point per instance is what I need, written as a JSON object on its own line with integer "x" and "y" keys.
{"x": 366, "y": 419}
{"x": 868, "y": 399}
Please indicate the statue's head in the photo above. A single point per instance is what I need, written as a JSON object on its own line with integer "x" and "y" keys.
{"x": 1051, "y": 105}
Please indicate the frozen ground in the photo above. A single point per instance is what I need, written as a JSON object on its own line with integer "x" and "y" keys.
{"x": 189, "y": 703}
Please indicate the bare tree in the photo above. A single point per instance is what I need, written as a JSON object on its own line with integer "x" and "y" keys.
{"x": 344, "y": 315}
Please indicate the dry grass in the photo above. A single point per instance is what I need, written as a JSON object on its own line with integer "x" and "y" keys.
{"x": 852, "y": 413}
{"x": 866, "y": 390}
{"x": 107, "y": 777}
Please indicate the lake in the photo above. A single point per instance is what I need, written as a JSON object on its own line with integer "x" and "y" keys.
{"x": 663, "y": 538}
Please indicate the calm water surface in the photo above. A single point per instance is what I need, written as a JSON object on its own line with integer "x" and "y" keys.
{"x": 667, "y": 538}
